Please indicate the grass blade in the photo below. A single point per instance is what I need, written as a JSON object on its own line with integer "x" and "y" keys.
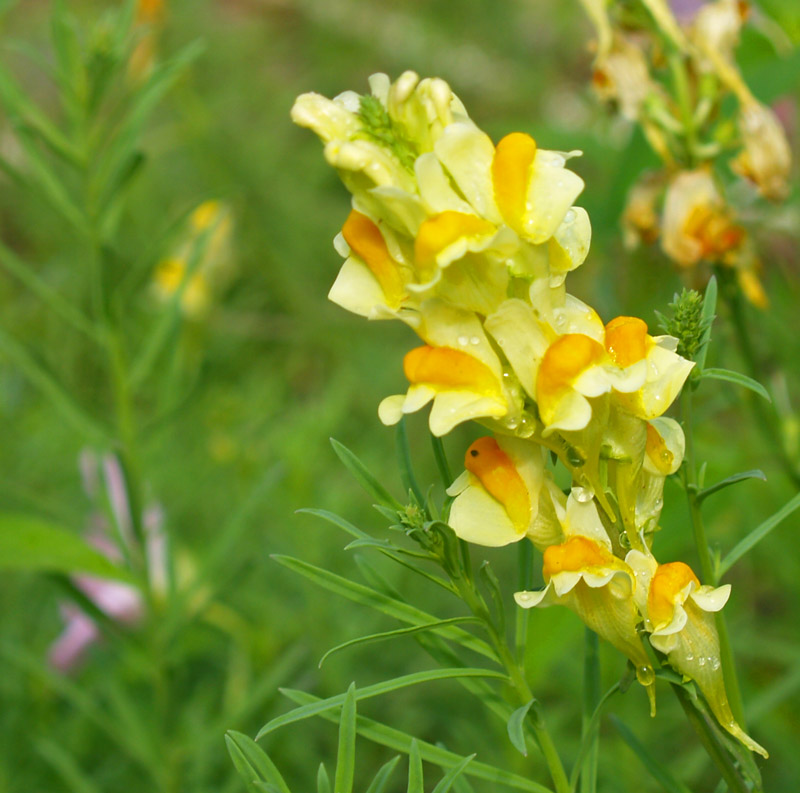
{"x": 383, "y": 603}
{"x": 657, "y": 770}
{"x": 253, "y": 763}
{"x": 416, "y": 783}
{"x": 758, "y": 534}
{"x": 401, "y": 742}
{"x": 449, "y": 779}
{"x": 379, "y": 637}
{"x": 346, "y": 753}
{"x": 384, "y": 687}
{"x": 364, "y": 477}
{"x": 378, "y": 785}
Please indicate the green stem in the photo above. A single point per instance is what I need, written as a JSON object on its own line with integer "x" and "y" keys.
{"x": 591, "y": 698}
{"x": 681, "y": 82}
{"x": 689, "y": 473}
{"x": 524, "y": 694}
{"x": 716, "y": 751}
{"x": 405, "y": 465}
{"x": 766, "y": 417}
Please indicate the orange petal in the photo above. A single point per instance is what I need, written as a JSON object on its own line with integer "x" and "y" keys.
{"x": 627, "y": 341}
{"x": 498, "y": 474}
{"x": 511, "y": 170}
{"x": 447, "y": 369}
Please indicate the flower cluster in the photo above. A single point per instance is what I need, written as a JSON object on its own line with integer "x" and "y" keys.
{"x": 469, "y": 243}
{"x": 676, "y": 76}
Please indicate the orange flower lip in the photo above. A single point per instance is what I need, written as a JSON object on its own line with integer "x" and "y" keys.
{"x": 511, "y": 169}
{"x": 627, "y": 341}
{"x": 367, "y": 242}
{"x": 444, "y": 368}
{"x": 499, "y": 476}
{"x": 577, "y": 554}
{"x": 667, "y": 583}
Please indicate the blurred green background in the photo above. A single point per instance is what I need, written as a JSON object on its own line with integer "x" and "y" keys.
{"x": 274, "y": 370}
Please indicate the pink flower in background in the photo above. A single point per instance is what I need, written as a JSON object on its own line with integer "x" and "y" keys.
{"x": 121, "y": 602}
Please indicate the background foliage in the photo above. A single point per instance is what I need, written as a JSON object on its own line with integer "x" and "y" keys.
{"x": 274, "y": 370}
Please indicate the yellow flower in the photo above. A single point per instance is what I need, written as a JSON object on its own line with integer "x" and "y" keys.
{"x": 663, "y": 371}
{"x": 205, "y": 246}
{"x": 697, "y": 224}
{"x": 766, "y": 159}
{"x": 457, "y": 369}
{"x": 505, "y": 494}
{"x": 678, "y": 613}
{"x": 583, "y": 574}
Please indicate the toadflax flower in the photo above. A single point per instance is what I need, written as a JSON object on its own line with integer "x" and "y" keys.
{"x": 505, "y": 494}
{"x": 583, "y": 574}
{"x": 456, "y": 369}
{"x": 678, "y": 613}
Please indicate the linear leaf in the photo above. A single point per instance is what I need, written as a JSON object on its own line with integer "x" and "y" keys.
{"x": 401, "y": 742}
{"x": 657, "y": 770}
{"x": 364, "y": 477}
{"x": 758, "y": 534}
{"x": 383, "y": 603}
{"x": 378, "y": 784}
{"x": 589, "y": 735}
{"x": 384, "y": 687}
{"x": 323, "y": 780}
{"x": 709, "y": 313}
{"x": 755, "y": 473}
{"x": 447, "y": 781}
{"x": 379, "y": 637}
{"x": 346, "y": 753}
{"x": 252, "y": 762}
{"x": 737, "y": 378}
{"x": 29, "y": 543}
{"x": 516, "y": 732}
{"x": 416, "y": 782}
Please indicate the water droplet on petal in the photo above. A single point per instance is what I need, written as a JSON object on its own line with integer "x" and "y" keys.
{"x": 715, "y": 664}
{"x": 701, "y": 660}
{"x": 475, "y": 341}
{"x": 570, "y": 216}
{"x": 582, "y": 495}
{"x": 689, "y": 657}
{"x": 463, "y": 341}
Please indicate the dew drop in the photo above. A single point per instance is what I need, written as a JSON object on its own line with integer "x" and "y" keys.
{"x": 645, "y": 675}
{"x": 463, "y": 341}
{"x": 570, "y": 216}
{"x": 689, "y": 657}
{"x": 701, "y": 660}
{"x": 715, "y": 664}
{"x": 659, "y": 502}
{"x": 582, "y": 495}
{"x": 475, "y": 341}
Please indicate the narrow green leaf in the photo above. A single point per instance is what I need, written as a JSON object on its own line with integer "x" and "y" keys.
{"x": 416, "y": 783}
{"x": 386, "y": 635}
{"x": 323, "y": 780}
{"x": 46, "y": 382}
{"x": 441, "y": 461}
{"x": 516, "y": 731}
{"x": 401, "y": 742}
{"x": 367, "y": 596}
{"x": 252, "y": 762}
{"x": 29, "y": 543}
{"x": 731, "y": 480}
{"x": 737, "y": 378}
{"x": 378, "y": 785}
{"x": 337, "y": 520}
{"x": 66, "y": 766}
{"x": 364, "y": 477}
{"x": 447, "y": 781}
{"x": 346, "y": 754}
{"x": 404, "y": 462}
{"x": 384, "y": 687}
{"x": 589, "y": 733}
{"x": 657, "y": 770}
{"x": 493, "y": 585}
{"x": 758, "y": 534}
{"x": 709, "y": 313}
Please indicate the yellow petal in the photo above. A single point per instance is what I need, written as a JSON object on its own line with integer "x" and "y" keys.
{"x": 441, "y": 231}
{"x": 444, "y": 368}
